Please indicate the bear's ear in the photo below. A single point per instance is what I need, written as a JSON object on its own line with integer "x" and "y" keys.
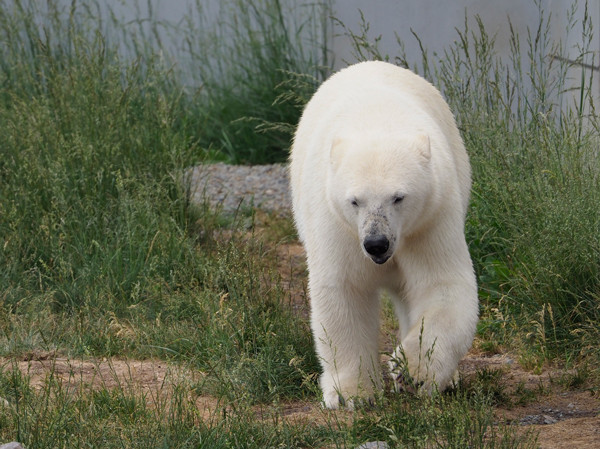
{"x": 335, "y": 152}
{"x": 423, "y": 146}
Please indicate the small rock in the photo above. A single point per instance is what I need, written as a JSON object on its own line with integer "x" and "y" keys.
{"x": 12, "y": 445}
{"x": 370, "y": 445}
{"x": 547, "y": 420}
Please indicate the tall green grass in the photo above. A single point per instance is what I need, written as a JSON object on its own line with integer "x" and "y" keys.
{"x": 530, "y": 126}
{"x": 244, "y": 63}
{"x": 535, "y": 228}
{"x": 232, "y": 62}
{"x": 101, "y": 252}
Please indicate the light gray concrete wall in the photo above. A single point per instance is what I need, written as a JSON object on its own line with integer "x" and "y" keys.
{"x": 434, "y": 21}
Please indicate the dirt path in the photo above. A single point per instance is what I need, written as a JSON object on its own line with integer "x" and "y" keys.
{"x": 564, "y": 418}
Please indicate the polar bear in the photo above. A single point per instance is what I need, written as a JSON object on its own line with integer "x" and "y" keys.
{"x": 380, "y": 185}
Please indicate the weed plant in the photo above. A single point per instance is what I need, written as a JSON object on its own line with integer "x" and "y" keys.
{"x": 101, "y": 253}
{"x": 530, "y": 126}
{"x": 534, "y": 225}
{"x": 244, "y": 64}
{"x": 54, "y": 415}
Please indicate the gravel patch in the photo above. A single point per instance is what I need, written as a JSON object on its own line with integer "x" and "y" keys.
{"x": 233, "y": 186}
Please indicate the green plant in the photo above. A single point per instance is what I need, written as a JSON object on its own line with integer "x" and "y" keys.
{"x": 244, "y": 60}
{"x": 455, "y": 420}
{"x": 55, "y": 416}
{"x": 101, "y": 252}
{"x": 531, "y": 131}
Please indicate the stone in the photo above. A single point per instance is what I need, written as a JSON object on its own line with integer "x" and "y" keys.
{"x": 547, "y": 420}
{"x": 12, "y": 445}
{"x": 370, "y": 445}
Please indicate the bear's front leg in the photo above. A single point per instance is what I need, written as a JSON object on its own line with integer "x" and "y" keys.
{"x": 345, "y": 325}
{"x": 443, "y": 319}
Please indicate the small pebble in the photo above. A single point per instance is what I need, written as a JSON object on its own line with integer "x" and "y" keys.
{"x": 12, "y": 445}
{"x": 372, "y": 445}
{"x": 549, "y": 419}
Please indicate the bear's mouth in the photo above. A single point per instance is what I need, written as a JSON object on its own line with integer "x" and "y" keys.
{"x": 379, "y": 260}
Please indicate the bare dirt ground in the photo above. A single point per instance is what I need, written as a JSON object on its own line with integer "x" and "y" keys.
{"x": 563, "y": 417}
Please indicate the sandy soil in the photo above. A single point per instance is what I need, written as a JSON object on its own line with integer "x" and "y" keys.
{"x": 563, "y": 418}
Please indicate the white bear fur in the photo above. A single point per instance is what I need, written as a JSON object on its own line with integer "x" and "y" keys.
{"x": 384, "y": 138}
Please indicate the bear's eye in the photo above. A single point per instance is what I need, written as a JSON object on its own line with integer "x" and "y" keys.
{"x": 398, "y": 199}
{"x": 354, "y": 202}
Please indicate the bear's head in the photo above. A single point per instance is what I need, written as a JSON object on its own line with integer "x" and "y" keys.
{"x": 379, "y": 187}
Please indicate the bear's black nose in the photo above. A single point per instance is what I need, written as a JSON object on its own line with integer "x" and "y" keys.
{"x": 376, "y": 245}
